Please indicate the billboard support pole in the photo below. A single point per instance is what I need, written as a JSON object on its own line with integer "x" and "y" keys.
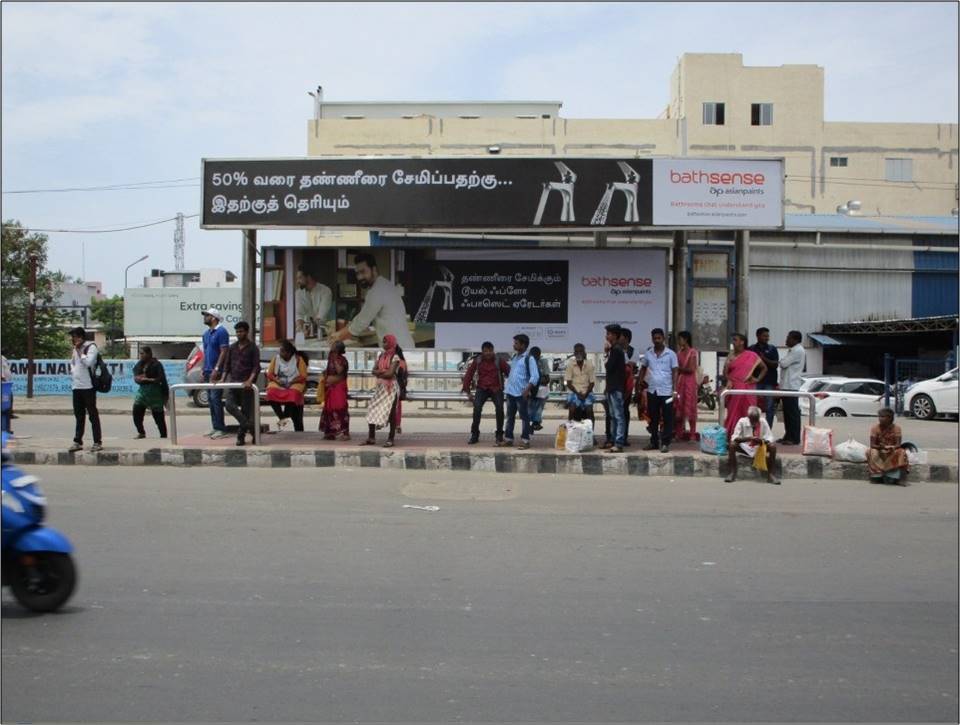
{"x": 600, "y": 240}
{"x": 742, "y": 252}
{"x": 248, "y": 278}
{"x": 680, "y": 252}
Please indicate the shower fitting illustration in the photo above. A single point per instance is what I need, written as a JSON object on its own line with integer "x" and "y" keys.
{"x": 565, "y": 186}
{"x": 629, "y": 189}
{"x": 445, "y": 283}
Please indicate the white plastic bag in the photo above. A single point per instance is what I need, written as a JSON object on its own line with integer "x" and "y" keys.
{"x": 817, "y": 441}
{"x": 579, "y": 436}
{"x": 851, "y": 450}
{"x": 916, "y": 457}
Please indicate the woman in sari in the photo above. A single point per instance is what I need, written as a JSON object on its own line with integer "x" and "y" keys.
{"x": 335, "y": 418}
{"x": 886, "y": 460}
{"x": 687, "y": 385}
{"x": 286, "y": 381}
{"x": 383, "y": 405}
{"x": 743, "y": 370}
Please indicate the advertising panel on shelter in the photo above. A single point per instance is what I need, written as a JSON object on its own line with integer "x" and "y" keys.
{"x": 455, "y": 299}
{"x": 159, "y": 312}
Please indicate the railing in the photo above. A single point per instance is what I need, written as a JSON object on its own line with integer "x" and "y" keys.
{"x": 811, "y": 415}
{"x": 211, "y": 386}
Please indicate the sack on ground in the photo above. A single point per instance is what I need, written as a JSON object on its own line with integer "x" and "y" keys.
{"x": 817, "y": 441}
{"x": 579, "y": 437}
{"x": 851, "y": 450}
{"x": 713, "y": 440}
{"x": 560, "y": 442}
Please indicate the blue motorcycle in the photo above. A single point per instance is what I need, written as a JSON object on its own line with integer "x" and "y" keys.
{"x": 37, "y": 565}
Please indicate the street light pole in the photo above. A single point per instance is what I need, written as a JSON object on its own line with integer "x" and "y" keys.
{"x": 31, "y": 323}
{"x": 145, "y": 256}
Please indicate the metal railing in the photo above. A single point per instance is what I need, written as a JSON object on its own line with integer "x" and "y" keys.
{"x": 811, "y": 414}
{"x": 211, "y": 386}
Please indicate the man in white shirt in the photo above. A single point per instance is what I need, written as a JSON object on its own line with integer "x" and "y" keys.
{"x": 748, "y": 433}
{"x": 312, "y": 304}
{"x": 791, "y": 366}
{"x": 382, "y": 306}
{"x": 82, "y": 360}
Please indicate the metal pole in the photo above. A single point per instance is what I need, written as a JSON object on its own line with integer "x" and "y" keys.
{"x": 680, "y": 252}
{"x": 248, "y": 277}
{"x": 887, "y": 378}
{"x": 31, "y": 323}
{"x": 743, "y": 281}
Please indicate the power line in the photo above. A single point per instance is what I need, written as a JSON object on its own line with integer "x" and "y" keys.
{"x": 105, "y": 231}
{"x": 133, "y": 185}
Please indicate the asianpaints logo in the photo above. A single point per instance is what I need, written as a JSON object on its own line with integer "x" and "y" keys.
{"x": 717, "y": 177}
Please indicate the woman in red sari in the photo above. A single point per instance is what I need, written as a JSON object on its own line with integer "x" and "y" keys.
{"x": 687, "y": 384}
{"x": 743, "y": 370}
{"x": 335, "y": 419}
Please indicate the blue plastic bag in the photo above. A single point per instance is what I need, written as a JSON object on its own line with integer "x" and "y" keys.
{"x": 713, "y": 439}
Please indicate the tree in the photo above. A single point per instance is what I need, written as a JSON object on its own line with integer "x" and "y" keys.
{"x": 50, "y": 339}
{"x": 109, "y": 311}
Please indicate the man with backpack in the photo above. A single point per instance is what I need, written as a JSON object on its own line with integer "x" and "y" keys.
{"x": 486, "y": 374}
{"x": 83, "y": 361}
{"x": 521, "y": 385}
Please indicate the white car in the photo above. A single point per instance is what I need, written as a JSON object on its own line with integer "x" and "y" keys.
{"x": 812, "y": 383}
{"x": 846, "y": 396}
{"x": 933, "y": 397}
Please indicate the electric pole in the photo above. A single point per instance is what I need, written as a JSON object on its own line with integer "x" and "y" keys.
{"x": 178, "y": 244}
{"x": 31, "y": 323}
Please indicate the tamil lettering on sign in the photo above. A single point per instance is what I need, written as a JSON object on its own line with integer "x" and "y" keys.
{"x": 53, "y": 377}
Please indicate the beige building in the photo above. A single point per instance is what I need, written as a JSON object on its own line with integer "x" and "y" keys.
{"x": 717, "y": 107}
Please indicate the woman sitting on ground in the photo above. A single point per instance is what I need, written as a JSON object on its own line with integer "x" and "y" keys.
{"x": 886, "y": 460}
{"x": 286, "y": 381}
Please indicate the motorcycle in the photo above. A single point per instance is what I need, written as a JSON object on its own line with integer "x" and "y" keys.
{"x": 706, "y": 396}
{"x": 37, "y": 565}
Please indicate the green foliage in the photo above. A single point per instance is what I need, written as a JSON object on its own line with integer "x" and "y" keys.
{"x": 109, "y": 312}
{"x": 50, "y": 341}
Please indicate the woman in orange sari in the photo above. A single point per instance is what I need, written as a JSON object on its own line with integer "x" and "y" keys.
{"x": 687, "y": 384}
{"x": 886, "y": 460}
{"x": 743, "y": 370}
{"x": 335, "y": 419}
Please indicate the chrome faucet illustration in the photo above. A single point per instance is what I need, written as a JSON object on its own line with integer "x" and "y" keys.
{"x": 629, "y": 189}
{"x": 565, "y": 186}
{"x": 445, "y": 283}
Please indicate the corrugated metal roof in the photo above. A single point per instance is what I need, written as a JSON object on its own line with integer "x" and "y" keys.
{"x": 872, "y": 224}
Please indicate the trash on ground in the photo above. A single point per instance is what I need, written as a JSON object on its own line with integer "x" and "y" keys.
{"x": 421, "y": 508}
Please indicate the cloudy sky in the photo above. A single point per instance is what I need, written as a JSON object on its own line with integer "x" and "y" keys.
{"x": 99, "y": 95}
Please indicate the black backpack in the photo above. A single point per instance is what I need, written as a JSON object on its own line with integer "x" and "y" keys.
{"x": 100, "y": 375}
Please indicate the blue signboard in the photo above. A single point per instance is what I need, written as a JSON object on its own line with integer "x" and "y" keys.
{"x": 52, "y": 377}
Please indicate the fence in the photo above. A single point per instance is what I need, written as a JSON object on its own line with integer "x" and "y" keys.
{"x": 901, "y": 373}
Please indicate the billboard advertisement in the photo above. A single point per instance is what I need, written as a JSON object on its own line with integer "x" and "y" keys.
{"x": 53, "y": 377}
{"x": 160, "y": 312}
{"x": 453, "y": 299}
{"x": 740, "y": 193}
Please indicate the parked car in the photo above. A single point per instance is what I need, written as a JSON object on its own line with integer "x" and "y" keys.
{"x": 937, "y": 396}
{"x": 193, "y": 373}
{"x": 842, "y": 397}
{"x": 812, "y": 383}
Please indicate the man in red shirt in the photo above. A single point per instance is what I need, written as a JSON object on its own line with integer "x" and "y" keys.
{"x": 486, "y": 374}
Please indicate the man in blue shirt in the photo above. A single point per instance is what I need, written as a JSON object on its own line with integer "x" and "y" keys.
{"x": 771, "y": 358}
{"x": 216, "y": 340}
{"x": 664, "y": 368}
{"x": 521, "y": 384}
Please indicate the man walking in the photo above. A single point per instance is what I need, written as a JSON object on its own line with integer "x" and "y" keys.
{"x": 664, "y": 369}
{"x": 791, "y": 367}
{"x": 242, "y": 365}
{"x": 616, "y": 369}
{"x": 216, "y": 340}
{"x": 521, "y": 384}
{"x": 82, "y": 361}
{"x": 771, "y": 358}
{"x": 485, "y": 375}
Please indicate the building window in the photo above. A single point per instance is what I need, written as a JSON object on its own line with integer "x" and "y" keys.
{"x": 761, "y": 114}
{"x": 899, "y": 169}
{"x": 713, "y": 114}
{"x": 838, "y": 161}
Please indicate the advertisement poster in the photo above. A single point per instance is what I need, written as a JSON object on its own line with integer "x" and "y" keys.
{"x": 716, "y": 193}
{"x": 52, "y": 377}
{"x": 176, "y": 311}
{"x": 455, "y": 299}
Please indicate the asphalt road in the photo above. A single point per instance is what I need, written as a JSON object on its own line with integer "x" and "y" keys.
{"x": 229, "y": 595}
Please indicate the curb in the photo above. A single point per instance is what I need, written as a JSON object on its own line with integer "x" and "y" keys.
{"x": 590, "y": 464}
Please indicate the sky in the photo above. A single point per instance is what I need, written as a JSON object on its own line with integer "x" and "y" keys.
{"x": 98, "y": 95}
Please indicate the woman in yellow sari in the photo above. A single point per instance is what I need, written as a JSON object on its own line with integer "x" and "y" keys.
{"x": 886, "y": 460}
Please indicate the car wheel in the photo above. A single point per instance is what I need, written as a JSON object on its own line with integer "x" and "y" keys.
{"x": 922, "y": 407}
{"x": 836, "y": 413}
{"x": 201, "y": 399}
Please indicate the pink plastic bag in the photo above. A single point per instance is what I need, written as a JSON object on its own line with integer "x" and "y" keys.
{"x": 817, "y": 441}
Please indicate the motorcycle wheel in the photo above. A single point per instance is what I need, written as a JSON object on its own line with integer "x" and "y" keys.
{"x": 45, "y": 585}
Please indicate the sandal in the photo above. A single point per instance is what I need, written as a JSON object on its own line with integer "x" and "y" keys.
{"x": 388, "y": 444}
{"x": 369, "y": 442}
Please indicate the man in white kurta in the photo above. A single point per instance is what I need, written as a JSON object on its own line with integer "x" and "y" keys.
{"x": 312, "y": 302}
{"x": 382, "y": 308}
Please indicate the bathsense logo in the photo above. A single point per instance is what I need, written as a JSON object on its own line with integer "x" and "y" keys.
{"x": 716, "y": 177}
{"x": 623, "y": 282}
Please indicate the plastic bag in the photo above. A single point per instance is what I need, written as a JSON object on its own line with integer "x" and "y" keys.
{"x": 817, "y": 441}
{"x": 713, "y": 439}
{"x": 560, "y": 442}
{"x": 579, "y": 437}
{"x": 760, "y": 457}
{"x": 851, "y": 450}
{"x": 916, "y": 457}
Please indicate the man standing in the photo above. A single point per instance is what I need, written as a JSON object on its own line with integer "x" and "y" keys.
{"x": 626, "y": 340}
{"x": 521, "y": 384}
{"x": 216, "y": 340}
{"x": 382, "y": 306}
{"x": 242, "y": 365}
{"x": 486, "y": 374}
{"x": 580, "y": 377}
{"x": 771, "y": 358}
{"x": 792, "y": 366}
{"x": 312, "y": 303}
{"x": 664, "y": 369}
{"x": 616, "y": 369}
{"x": 82, "y": 361}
